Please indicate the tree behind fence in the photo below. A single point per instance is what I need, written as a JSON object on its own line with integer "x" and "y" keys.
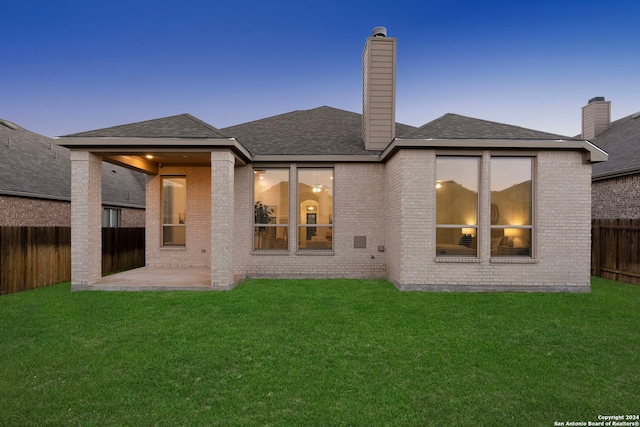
{"x": 31, "y": 257}
{"x": 615, "y": 249}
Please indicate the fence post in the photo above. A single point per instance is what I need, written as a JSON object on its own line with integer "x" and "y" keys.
{"x": 596, "y": 247}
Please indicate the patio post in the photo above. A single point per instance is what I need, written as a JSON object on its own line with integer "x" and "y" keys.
{"x": 86, "y": 218}
{"x": 222, "y": 218}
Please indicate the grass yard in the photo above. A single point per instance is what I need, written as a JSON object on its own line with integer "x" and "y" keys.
{"x": 317, "y": 353}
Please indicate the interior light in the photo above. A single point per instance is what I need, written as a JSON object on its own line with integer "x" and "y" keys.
{"x": 149, "y": 156}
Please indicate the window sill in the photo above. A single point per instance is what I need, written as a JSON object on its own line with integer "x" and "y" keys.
{"x": 173, "y": 248}
{"x": 454, "y": 259}
{"x": 270, "y": 252}
{"x": 315, "y": 252}
{"x": 513, "y": 260}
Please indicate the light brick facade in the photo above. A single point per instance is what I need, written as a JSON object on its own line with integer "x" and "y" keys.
{"x": 358, "y": 211}
{"x": 560, "y": 261}
{"x": 197, "y": 252}
{"x": 391, "y": 204}
{"x": 86, "y": 218}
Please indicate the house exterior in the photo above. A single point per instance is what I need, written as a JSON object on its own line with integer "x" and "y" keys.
{"x": 35, "y": 184}
{"x": 458, "y": 204}
{"x": 615, "y": 185}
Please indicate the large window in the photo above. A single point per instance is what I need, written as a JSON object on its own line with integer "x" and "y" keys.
{"x": 456, "y": 206}
{"x": 511, "y": 201}
{"x": 174, "y": 210}
{"x": 315, "y": 208}
{"x": 270, "y": 209}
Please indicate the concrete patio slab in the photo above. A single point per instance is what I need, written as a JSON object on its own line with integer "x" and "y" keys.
{"x": 157, "y": 279}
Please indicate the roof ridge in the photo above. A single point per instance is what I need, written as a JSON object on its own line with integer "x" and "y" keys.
{"x": 202, "y": 122}
{"x": 447, "y": 115}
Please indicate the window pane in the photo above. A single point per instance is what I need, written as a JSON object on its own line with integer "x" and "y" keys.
{"x": 456, "y": 241}
{"x": 105, "y": 217}
{"x": 271, "y": 206}
{"x": 511, "y": 191}
{"x": 315, "y": 206}
{"x": 510, "y": 242}
{"x": 115, "y": 217}
{"x": 457, "y": 190}
{"x": 174, "y": 211}
{"x": 174, "y": 235}
{"x": 315, "y": 237}
{"x": 270, "y": 237}
{"x": 271, "y": 196}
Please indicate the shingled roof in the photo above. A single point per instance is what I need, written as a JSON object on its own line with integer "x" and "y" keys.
{"x": 180, "y": 126}
{"x": 33, "y": 166}
{"x": 622, "y": 142}
{"x": 454, "y": 126}
{"x": 318, "y": 131}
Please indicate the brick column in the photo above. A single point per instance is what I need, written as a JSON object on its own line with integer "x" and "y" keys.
{"x": 222, "y": 218}
{"x": 86, "y": 218}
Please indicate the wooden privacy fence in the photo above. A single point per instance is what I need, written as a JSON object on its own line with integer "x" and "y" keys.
{"x": 122, "y": 249}
{"x": 615, "y": 249}
{"x": 31, "y": 257}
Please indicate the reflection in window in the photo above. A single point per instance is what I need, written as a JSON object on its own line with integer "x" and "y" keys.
{"x": 315, "y": 208}
{"x": 174, "y": 210}
{"x": 270, "y": 209}
{"x": 511, "y": 201}
{"x": 457, "y": 206}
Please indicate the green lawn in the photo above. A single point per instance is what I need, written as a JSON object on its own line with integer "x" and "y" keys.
{"x": 323, "y": 352}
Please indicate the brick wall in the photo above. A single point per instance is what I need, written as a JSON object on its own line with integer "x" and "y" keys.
{"x": 196, "y": 253}
{"x": 28, "y": 212}
{"x": 359, "y": 210}
{"x": 616, "y": 198}
{"x": 561, "y": 234}
{"x": 393, "y": 205}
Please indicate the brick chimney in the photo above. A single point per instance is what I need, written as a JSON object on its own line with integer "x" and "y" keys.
{"x": 378, "y": 90}
{"x": 596, "y": 117}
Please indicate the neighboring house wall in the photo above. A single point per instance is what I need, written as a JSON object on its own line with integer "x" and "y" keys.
{"x": 30, "y": 212}
{"x": 130, "y": 217}
{"x": 616, "y": 198}
{"x": 197, "y": 252}
{"x": 359, "y": 210}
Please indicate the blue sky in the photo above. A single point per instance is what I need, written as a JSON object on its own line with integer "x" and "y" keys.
{"x": 69, "y": 66}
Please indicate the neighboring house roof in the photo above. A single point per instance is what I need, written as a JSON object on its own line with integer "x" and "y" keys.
{"x": 180, "y": 126}
{"x": 454, "y": 126}
{"x": 319, "y": 131}
{"x": 622, "y": 142}
{"x": 31, "y": 165}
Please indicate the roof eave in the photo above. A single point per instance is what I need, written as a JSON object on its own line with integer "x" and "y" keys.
{"x": 594, "y": 154}
{"x": 109, "y": 143}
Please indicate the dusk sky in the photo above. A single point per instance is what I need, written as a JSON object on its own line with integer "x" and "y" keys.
{"x": 70, "y": 66}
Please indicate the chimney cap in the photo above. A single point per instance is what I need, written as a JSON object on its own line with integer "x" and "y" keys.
{"x": 596, "y": 98}
{"x": 379, "y": 32}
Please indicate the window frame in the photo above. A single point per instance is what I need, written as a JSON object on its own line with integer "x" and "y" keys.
{"x": 256, "y": 225}
{"x": 510, "y": 251}
{"x": 474, "y": 227}
{"x": 182, "y": 224}
{"x": 111, "y": 212}
{"x": 330, "y": 216}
